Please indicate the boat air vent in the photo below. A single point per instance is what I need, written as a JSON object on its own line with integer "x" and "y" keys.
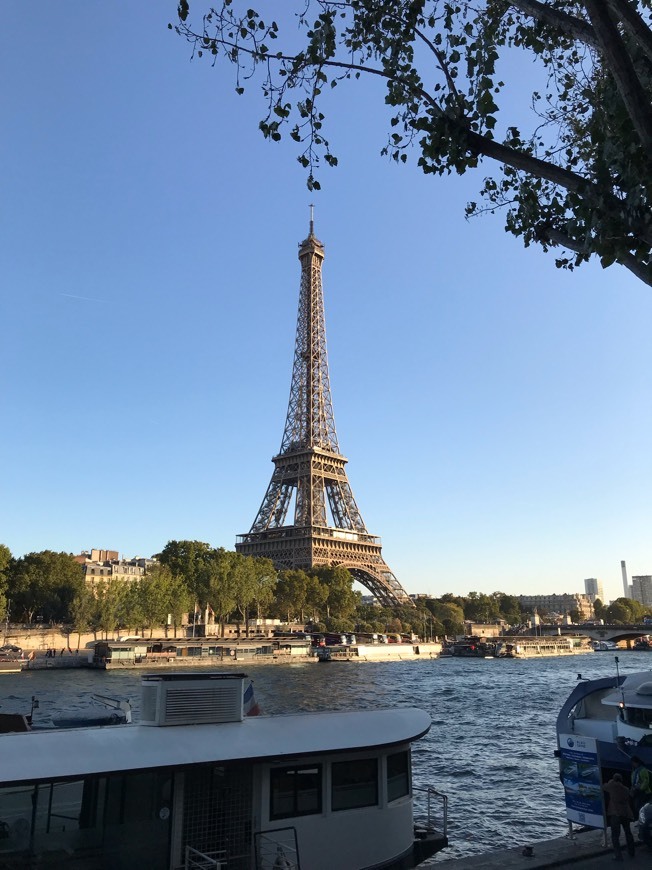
{"x": 644, "y": 689}
{"x": 191, "y": 698}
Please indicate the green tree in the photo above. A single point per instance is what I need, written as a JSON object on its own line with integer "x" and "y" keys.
{"x": 414, "y": 619}
{"x": 316, "y": 598}
{"x": 109, "y": 613}
{"x": 449, "y": 598}
{"x": 45, "y": 583}
{"x": 617, "y": 612}
{"x": 5, "y": 566}
{"x": 187, "y": 559}
{"x": 624, "y": 610}
{"x": 508, "y": 607}
{"x": 180, "y": 601}
{"x": 129, "y": 613}
{"x": 450, "y": 615}
{"x": 290, "y": 595}
{"x": 218, "y": 578}
{"x": 598, "y": 609}
{"x": 365, "y": 616}
{"x": 81, "y": 612}
{"x": 481, "y": 608}
{"x": 578, "y": 178}
{"x": 265, "y": 580}
{"x": 245, "y": 587}
{"x": 339, "y": 626}
{"x": 341, "y": 601}
{"x": 153, "y": 596}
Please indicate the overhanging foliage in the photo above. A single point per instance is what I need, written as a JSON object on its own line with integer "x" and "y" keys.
{"x": 580, "y": 179}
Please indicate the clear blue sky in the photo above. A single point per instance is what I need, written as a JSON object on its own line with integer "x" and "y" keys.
{"x": 496, "y": 412}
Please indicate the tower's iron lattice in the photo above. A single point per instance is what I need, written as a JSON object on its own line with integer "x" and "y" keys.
{"x": 309, "y": 470}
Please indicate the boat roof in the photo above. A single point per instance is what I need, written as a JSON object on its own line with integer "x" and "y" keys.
{"x": 634, "y": 691}
{"x": 63, "y": 753}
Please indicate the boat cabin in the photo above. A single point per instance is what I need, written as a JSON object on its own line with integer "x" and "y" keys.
{"x": 192, "y": 651}
{"x": 616, "y": 712}
{"x": 198, "y": 783}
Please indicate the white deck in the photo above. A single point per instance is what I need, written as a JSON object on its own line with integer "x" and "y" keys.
{"x": 43, "y": 755}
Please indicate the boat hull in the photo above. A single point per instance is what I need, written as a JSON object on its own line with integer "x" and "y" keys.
{"x": 11, "y": 666}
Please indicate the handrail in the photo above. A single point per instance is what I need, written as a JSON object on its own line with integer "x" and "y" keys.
{"x": 277, "y": 848}
{"x": 433, "y": 795}
{"x": 196, "y": 860}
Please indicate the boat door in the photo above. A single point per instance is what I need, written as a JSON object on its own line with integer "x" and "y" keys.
{"x": 217, "y": 813}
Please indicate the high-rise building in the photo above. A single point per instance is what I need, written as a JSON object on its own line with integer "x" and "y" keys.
{"x": 594, "y": 589}
{"x": 626, "y": 589}
{"x": 642, "y": 589}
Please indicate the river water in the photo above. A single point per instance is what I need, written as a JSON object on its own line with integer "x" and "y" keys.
{"x": 490, "y": 748}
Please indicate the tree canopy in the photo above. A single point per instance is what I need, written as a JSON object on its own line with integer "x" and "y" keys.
{"x": 624, "y": 610}
{"x": 574, "y": 164}
{"x": 5, "y": 564}
{"x": 44, "y": 583}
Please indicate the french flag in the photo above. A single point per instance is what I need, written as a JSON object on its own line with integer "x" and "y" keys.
{"x": 249, "y": 705}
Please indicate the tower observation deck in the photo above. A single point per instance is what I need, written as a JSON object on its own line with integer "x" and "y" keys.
{"x": 309, "y": 517}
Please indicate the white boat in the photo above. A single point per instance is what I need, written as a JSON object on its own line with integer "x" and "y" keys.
{"x": 616, "y": 712}
{"x": 604, "y": 646}
{"x": 196, "y": 783}
{"x": 11, "y": 666}
{"x": 12, "y": 660}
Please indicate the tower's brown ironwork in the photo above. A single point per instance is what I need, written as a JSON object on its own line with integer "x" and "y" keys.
{"x": 309, "y": 483}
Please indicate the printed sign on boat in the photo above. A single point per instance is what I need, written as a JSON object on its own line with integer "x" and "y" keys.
{"x": 580, "y": 774}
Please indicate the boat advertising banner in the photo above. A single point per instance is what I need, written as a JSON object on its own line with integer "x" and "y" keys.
{"x": 580, "y": 773}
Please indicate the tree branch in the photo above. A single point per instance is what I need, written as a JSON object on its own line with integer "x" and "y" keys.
{"x": 620, "y": 65}
{"x": 572, "y": 26}
{"x": 476, "y": 142}
{"x": 633, "y": 24}
{"x": 557, "y": 237}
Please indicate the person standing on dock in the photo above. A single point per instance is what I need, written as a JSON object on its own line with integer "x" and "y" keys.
{"x": 620, "y": 815}
{"x": 641, "y": 787}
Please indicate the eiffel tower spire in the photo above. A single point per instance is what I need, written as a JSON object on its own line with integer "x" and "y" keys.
{"x": 293, "y": 526}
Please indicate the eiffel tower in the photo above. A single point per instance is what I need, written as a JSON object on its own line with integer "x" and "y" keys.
{"x": 309, "y": 470}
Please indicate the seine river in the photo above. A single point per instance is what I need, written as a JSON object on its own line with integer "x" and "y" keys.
{"x": 490, "y": 748}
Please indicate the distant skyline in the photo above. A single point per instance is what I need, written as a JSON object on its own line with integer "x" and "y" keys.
{"x": 495, "y": 411}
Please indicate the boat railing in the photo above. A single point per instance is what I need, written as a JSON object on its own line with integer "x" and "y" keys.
{"x": 277, "y": 848}
{"x": 196, "y": 860}
{"x": 430, "y": 809}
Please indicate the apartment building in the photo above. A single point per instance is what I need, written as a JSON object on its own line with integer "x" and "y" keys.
{"x": 102, "y": 566}
{"x": 642, "y": 589}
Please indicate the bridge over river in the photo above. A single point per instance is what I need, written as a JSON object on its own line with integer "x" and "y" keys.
{"x": 607, "y": 632}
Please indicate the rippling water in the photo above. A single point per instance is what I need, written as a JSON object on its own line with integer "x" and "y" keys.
{"x": 490, "y": 748}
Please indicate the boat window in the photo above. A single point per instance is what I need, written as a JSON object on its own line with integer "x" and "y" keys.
{"x": 49, "y": 820}
{"x": 354, "y": 784}
{"x": 58, "y": 806}
{"x": 398, "y": 775}
{"x": 16, "y": 807}
{"x": 639, "y": 717}
{"x": 295, "y": 791}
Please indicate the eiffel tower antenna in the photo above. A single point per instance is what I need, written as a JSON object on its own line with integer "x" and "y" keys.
{"x": 309, "y": 517}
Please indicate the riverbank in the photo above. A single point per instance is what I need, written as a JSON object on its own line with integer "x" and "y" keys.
{"x": 586, "y": 850}
{"x": 224, "y": 653}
